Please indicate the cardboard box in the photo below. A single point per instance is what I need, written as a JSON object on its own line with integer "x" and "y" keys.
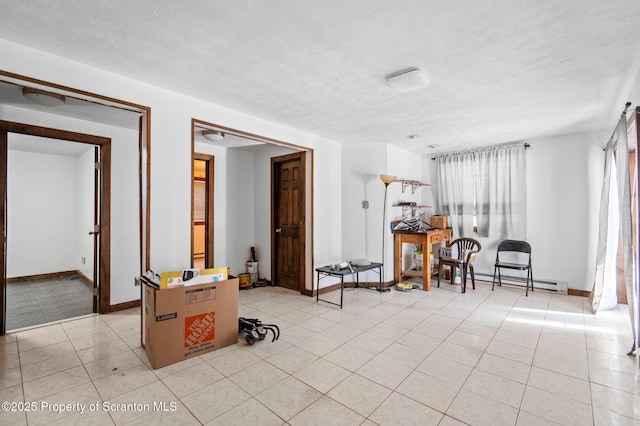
{"x": 439, "y": 222}
{"x": 183, "y": 322}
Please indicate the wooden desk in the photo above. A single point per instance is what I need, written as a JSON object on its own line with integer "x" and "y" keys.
{"x": 426, "y": 239}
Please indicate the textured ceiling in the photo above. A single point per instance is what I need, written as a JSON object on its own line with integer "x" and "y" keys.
{"x": 499, "y": 70}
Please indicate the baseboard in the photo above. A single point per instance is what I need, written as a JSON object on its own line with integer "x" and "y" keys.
{"x": 125, "y": 305}
{"x": 85, "y": 279}
{"x": 582, "y": 293}
{"x": 48, "y": 276}
{"x": 560, "y": 287}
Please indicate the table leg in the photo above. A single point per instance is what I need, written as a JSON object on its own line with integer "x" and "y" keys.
{"x": 397, "y": 258}
{"x": 426, "y": 270}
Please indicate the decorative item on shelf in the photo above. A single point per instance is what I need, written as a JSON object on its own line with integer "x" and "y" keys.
{"x": 410, "y": 208}
{"x": 411, "y": 183}
{"x": 439, "y": 222}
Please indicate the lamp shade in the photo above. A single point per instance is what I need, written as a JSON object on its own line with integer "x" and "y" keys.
{"x": 213, "y": 135}
{"x": 387, "y": 179}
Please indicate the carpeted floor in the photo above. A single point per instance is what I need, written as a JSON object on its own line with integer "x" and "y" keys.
{"x": 42, "y": 301}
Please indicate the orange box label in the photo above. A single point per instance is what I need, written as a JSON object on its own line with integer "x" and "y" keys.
{"x": 199, "y": 329}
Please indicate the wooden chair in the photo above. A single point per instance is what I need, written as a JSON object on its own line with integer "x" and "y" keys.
{"x": 514, "y": 247}
{"x": 459, "y": 254}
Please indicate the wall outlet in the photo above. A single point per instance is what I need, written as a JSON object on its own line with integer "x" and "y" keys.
{"x": 365, "y": 204}
{"x": 84, "y": 260}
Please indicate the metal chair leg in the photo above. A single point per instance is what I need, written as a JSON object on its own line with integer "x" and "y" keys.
{"x": 493, "y": 283}
{"x": 473, "y": 277}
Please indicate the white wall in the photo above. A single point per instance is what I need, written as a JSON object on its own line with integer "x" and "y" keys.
{"x": 361, "y": 166}
{"x": 564, "y": 194}
{"x": 363, "y": 228}
{"x": 85, "y": 208}
{"x": 240, "y": 209}
{"x": 170, "y": 179}
{"x": 42, "y": 215}
{"x": 564, "y": 175}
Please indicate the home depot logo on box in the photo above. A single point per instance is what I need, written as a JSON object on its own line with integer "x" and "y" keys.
{"x": 199, "y": 329}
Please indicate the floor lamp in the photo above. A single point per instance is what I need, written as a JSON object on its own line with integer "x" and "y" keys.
{"x": 387, "y": 179}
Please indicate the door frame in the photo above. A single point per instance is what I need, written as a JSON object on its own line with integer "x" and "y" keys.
{"x": 275, "y": 163}
{"x": 308, "y": 258}
{"x": 144, "y": 151}
{"x": 209, "y": 207}
{"x": 104, "y": 266}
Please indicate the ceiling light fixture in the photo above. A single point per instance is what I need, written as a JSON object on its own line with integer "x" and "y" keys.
{"x": 43, "y": 98}
{"x": 213, "y": 135}
{"x": 408, "y": 79}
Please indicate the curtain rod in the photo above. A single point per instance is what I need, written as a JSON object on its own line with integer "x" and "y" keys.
{"x": 624, "y": 112}
{"x": 526, "y": 145}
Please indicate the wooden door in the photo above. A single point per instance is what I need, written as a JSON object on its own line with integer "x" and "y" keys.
{"x": 288, "y": 220}
{"x": 202, "y": 211}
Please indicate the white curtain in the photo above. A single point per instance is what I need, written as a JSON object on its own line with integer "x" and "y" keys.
{"x": 503, "y": 189}
{"x": 617, "y": 150}
{"x": 455, "y": 190}
{"x": 488, "y": 184}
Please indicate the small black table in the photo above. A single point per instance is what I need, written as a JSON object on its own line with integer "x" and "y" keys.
{"x": 326, "y": 271}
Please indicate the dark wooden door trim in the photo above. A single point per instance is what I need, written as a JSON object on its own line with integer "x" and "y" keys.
{"x": 210, "y": 184}
{"x": 3, "y": 230}
{"x": 96, "y": 236}
{"x": 7, "y": 127}
{"x": 275, "y": 164}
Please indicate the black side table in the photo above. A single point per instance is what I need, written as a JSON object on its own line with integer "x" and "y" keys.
{"x": 326, "y": 271}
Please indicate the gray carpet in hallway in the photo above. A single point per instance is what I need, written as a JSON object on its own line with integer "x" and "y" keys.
{"x": 41, "y": 301}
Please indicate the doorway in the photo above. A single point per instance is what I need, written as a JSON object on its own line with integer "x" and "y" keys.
{"x": 288, "y": 220}
{"x": 245, "y": 199}
{"x": 99, "y": 234}
{"x": 202, "y": 211}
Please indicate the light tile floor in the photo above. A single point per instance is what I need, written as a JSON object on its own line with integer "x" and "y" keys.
{"x": 439, "y": 357}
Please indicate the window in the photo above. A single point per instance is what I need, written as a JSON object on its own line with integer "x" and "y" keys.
{"x": 484, "y": 191}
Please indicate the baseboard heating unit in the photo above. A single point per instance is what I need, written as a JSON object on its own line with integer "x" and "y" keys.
{"x": 560, "y": 287}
